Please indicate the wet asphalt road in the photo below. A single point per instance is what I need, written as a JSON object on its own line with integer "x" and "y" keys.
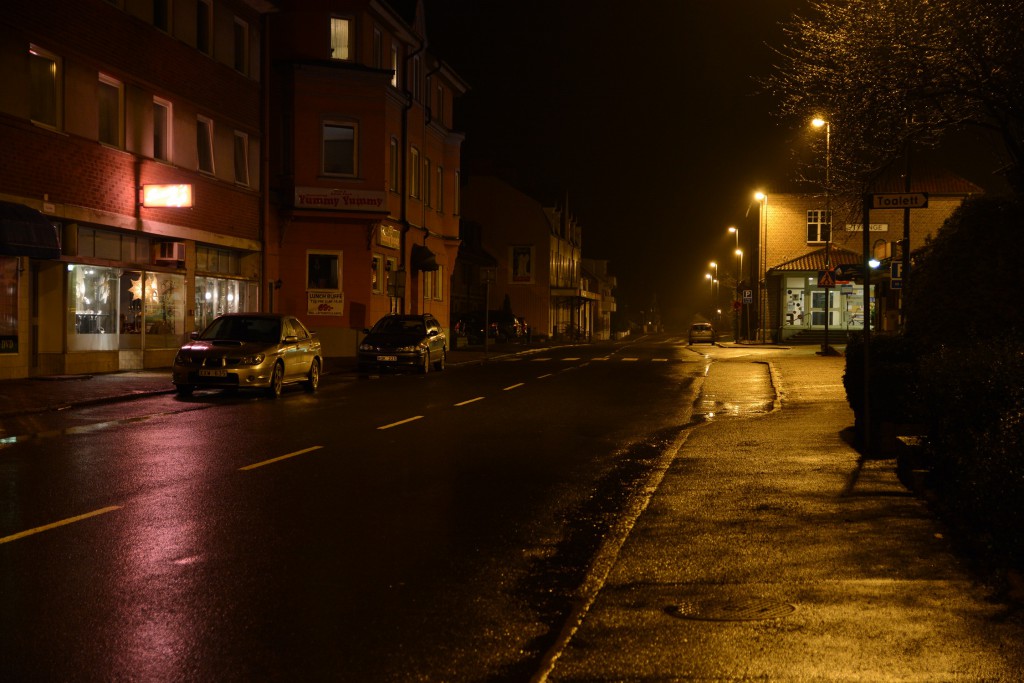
{"x": 396, "y": 528}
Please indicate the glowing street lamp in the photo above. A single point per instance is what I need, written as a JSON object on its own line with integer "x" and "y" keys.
{"x": 762, "y": 242}
{"x": 818, "y": 122}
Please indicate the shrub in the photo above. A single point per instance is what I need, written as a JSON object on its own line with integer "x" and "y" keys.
{"x": 893, "y": 381}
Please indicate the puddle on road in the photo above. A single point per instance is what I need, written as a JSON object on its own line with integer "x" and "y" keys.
{"x": 735, "y": 389}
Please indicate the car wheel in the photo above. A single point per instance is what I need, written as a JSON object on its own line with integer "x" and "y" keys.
{"x": 276, "y": 380}
{"x": 442, "y": 360}
{"x": 425, "y": 366}
{"x": 184, "y": 389}
{"x": 313, "y": 380}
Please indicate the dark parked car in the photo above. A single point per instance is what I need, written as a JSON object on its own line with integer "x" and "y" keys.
{"x": 249, "y": 351}
{"x": 704, "y": 332}
{"x": 470, "y": 326}
{"x": 404, "y": 341}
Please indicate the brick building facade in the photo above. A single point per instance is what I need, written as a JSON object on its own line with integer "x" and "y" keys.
{"x": 102, "y": 98}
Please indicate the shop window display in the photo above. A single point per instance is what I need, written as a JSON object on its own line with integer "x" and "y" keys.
{"x": 92, "y": 313}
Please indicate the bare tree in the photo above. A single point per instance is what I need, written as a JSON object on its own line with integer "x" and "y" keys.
{"x": 888, "y": 74}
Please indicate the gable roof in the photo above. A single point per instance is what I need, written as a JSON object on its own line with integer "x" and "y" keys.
{"x": 815, "y": 260}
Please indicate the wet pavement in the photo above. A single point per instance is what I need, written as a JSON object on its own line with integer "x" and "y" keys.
{"x": 766, "y": 548}
{"x": 769, "y": 550}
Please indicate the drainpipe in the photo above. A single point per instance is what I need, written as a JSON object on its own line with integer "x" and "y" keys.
{"x": 403, "y": 219}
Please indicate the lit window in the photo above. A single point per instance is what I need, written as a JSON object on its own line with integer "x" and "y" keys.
{"x": 161, "y": 129}
{"x": 394, "y": 66}
{"x": 44, "y": 75}
{"x": 377, "y": 274}
{"x": 241, "y": 158}
{"x": 339, "y": 142}
{"x": 111, "y": 111}
{"x": 340, "y": 46}
{"x": 241, "y": 46}
{"x": 204, "y": 144}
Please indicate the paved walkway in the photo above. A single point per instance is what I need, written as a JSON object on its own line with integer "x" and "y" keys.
{"x": 770, "y": 552}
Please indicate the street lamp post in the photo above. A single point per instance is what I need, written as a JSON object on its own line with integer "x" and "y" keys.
{"x": 714, "y": 281}
{"x": 762, "y": 274}
{"x": 819, "y": 123}
{"x": 739, "y": 276}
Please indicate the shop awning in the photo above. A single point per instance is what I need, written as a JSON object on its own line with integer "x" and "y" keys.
{"x": 26, "y": 232}
{"x": 423, "y": 258}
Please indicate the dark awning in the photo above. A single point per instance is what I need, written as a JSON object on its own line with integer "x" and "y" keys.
{"x": 26, "y": 232}
{"x": 423, "y": 258}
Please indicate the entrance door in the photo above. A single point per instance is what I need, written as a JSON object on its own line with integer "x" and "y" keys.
{"x": 824, "y": 303}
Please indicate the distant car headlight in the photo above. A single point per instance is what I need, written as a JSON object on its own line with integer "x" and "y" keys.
{"x": 254, "y": 359}
{"x": 367, "y": 347}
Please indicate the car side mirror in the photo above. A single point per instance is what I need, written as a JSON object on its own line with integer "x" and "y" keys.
{"x": 193, "y": 335}
{"x": 432, "y": 333}
{"x": 291, "y": 339}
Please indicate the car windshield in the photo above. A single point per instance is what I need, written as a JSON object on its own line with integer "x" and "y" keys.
{"x": 266, "y": 330}
{"x": 400, "y": 326}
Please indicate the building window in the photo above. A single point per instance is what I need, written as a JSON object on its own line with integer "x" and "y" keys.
{"x": 377, "y": 274}
{"x": 439, "y": 106}
{"x": 111, "y": 111}
{"x": 339, "y": 142}
{"x": 323, "y": 270}
{"x": 241, "y": 158}
{"x": 439, "y": 284}
{"x": 427, "y": 180}
{"x": 204, "y": 144}
{"x": 394, "y": 66}
{"x": 457, "y": 190}
{"x": 204, "y": 21}
{"x": 415, "y": 85}
{"x": 394, "y": 168}
{"x": 93, "y": 309}
{"x": 45, "y": 81}
{"x": 161, "y": 129}
{"x": 241, "y": 46}
{"x": 819, "y": 226}
{"x": 340, "y": 36}
{"x": 9, "y": 269}
{"x": 378, "y": 49}
{"x": 162, "y": 15}
{"x": 217, "y": 296}
{"x": 439, "y": 189}
{"x": 414, "y": 172}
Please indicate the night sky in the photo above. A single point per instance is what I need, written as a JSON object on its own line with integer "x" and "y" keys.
{"x": 647, "y": 114}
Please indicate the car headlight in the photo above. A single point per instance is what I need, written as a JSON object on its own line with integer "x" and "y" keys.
{"x": 182, "y": 359}
{"x": 408, "y": 349}
{"x": 367, "y": 347}
{"x": 254, "y": 359}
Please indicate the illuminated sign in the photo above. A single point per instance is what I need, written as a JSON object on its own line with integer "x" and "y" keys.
{"x": 167, "y": 195}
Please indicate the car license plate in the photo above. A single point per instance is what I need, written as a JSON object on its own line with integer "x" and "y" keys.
{"x": 387, "y": 359}
{"x": 213, "y": 373}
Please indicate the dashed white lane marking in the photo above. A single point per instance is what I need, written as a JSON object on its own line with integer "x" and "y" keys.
{"x": 466, "y": 403}
{"x": 280, "y": 458}
{"x": 401, "y": 422}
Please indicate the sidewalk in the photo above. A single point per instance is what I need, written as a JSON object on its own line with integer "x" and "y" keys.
{"x": 40, "y": 394}
{"x": 770, "y": 552}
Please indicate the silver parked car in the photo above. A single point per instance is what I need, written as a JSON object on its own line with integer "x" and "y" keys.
{"x": 702, "y": 332}
{"x": 249, "y": 351}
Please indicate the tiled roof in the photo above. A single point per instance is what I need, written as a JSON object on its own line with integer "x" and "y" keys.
{"x": 930, "y": 179}
{"x": 816, "y": 260}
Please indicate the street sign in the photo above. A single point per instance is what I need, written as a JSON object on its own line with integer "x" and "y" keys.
{"x": 900, "y": 200}
{"x": 896, "y": 283}
{"x": 826, "y": 278}
{"x": 748, "y": 296}
{"x": 896, "y": 270}
{"x": 848, "y": 271}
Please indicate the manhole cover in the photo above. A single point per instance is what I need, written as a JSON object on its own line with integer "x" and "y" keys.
{"x": 714, "y": 609}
